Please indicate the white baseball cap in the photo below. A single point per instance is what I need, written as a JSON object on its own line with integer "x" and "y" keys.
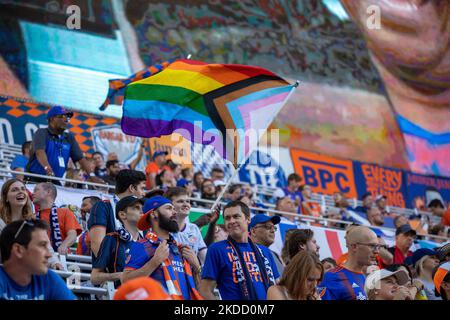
{"x": 373, "y": 279}
{"x": 219, "y": 183}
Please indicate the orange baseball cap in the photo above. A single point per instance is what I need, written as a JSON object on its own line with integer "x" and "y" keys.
{"x": 439, "y": 275}
{"x": 150, "y": 204}
{"x": 142, "y": 288}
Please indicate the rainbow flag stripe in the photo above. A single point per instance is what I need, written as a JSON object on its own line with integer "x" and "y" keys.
{"x": 203, "y": 102}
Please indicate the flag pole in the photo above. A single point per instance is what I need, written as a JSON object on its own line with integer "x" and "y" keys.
{"x": 224, "y": 189}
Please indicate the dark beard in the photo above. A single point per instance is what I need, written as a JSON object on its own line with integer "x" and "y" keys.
{"x": 167, "y": 224}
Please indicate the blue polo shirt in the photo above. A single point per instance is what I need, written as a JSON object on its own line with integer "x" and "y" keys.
{"x": 55, "y": 146}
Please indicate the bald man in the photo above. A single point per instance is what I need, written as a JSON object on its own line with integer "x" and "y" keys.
{"x": 346, "y": 282}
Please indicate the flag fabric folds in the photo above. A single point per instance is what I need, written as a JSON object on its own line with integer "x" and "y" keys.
{"x": 216, "y": 104}
{"x": 117, "y": 86}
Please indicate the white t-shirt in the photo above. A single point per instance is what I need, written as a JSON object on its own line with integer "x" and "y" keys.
{"x": 190, "y": 236}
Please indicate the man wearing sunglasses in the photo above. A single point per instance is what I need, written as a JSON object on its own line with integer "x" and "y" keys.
{"x": 52, "y": 147}
{"x": 25, "y": 275}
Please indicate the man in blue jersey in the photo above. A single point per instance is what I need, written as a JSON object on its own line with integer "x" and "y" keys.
{"x": 292, "y": 189}
{"x": 346, "y": 282}
{"x": 102, "y": 219}
{"x": 24, "y": 275}
{"x": 110, "y": 261}
{"x": 53, "y": 146}
{"x": 159, "y": 256}
{"x": 241, "y": 269}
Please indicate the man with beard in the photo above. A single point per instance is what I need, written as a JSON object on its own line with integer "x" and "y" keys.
{"x": 189, "y": 234}
{"x": 346, "y": 282}
{"x": 159, "y": 256}
{"x": 84, "y": 242}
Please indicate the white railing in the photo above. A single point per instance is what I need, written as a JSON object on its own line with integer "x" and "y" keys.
{"x": 322, "y": 199}
{"x": 307, "y": 219}
{"x": 28, "y": 174}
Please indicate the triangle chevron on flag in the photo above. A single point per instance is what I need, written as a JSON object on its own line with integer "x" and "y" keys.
{"x": 228, "y": 106}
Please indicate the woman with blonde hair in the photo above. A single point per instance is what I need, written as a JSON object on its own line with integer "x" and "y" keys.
{"x": 15, "y": 203}
{"x": 299, "y": 280}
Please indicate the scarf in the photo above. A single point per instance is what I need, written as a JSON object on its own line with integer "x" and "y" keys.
{"x": 55, "y": 231}
{"x": 173, "y": 286}
{"x": 123, "y": 233}
{"x": 243, "y": 277}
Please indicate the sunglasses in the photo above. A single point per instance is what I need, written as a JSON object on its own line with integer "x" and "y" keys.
{"x": 24, "y": 223}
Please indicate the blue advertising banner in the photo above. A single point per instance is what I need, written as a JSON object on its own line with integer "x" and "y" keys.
{"x": 378, "y": 180}
{"x": 262, "y": 168}
{"x": 417, "y": 184}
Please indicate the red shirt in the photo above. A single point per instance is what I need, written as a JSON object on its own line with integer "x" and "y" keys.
{"x": 399, "y": 257}
{"x": 446, "y": 218}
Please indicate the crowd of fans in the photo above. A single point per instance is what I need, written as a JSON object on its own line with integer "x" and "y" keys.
{"x": 143, "y": 242}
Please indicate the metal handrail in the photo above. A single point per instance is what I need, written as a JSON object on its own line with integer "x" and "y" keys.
{"x": 58, "y": 179}
{"x": 305, "y": 217}
{"x": 76, "y": 257}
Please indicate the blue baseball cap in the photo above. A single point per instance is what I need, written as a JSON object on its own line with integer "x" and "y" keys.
{"x": 183, "y": 183}
{"x": 159, "y": 153}
{"x": 420, "y": 253}
{"x": 58, "y": 110}
{"x": 262, "y": 218}
{"x": 150, "y": 205}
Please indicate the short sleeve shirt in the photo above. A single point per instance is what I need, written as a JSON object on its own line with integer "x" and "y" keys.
{"x": 55, "y": 146}
{"x": 112, "y": 254}
{"x": 44, "y": 287}
{"x": 220, "y": 267}
{"x": 102, "y": 214}
{"x": 297, "y": 195}
{"x": 66, "y": 219}
{"x": 342, "y": 284}
{"x": 191, "y": 236}
{"x": 20, "y": 161}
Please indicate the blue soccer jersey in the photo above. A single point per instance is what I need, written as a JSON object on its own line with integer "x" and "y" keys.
{"x": 342, "y": 284}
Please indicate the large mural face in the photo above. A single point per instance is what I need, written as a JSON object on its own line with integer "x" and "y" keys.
{"x": 362, "y": 95}
{"x": 373, "y": 95}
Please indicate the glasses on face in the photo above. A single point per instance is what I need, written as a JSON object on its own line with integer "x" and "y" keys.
{"x": 62, "y": 116}
{"x": 372, "y": 246}
{"x": 268, "y": 227}
{"x": 25, "y": 222}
